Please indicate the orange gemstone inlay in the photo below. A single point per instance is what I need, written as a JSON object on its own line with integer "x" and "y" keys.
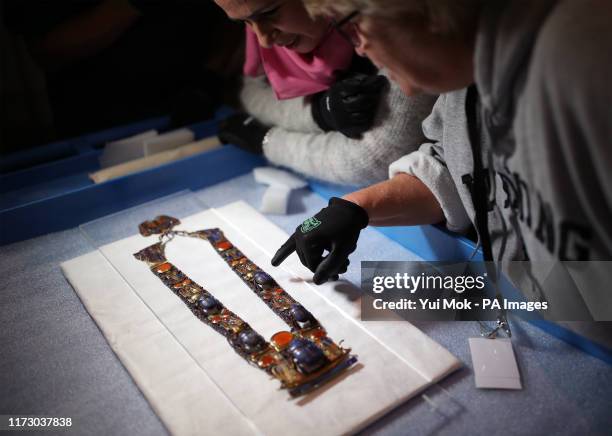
{"x": 215, "y": 319}
{"x": 224, "y": 245}
{"x": 240, "y": 261}
{"x": 281, "y": 339}
{"x": 266, "y": 361}
{"x": 164, "y": 267}
{"x": 319, "y": 334}
{"x": 182, "y": 284}
{"x": 279, "y": 291}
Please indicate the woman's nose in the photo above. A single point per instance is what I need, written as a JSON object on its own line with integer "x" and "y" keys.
{"x": 265, "y": 34}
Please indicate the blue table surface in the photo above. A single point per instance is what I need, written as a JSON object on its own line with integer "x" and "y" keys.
{"x": 47, "y": 189}
{"x": 55, "y": 361}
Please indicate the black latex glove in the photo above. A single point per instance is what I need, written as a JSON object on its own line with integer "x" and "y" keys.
{"x": 244, "y": 131}
{"x": 335, "y": 228}
{"x": 350, "y": 105}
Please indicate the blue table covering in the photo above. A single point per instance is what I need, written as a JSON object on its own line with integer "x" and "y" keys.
{"x": 55, "y": 361}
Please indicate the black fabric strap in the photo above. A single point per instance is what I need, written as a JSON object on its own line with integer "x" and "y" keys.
{"x": 479, "y": 191}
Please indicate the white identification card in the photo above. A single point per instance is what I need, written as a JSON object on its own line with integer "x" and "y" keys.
{"x": 495, "y": 364}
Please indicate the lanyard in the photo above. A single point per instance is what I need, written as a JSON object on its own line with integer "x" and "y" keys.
{"x": 481, "y": 206}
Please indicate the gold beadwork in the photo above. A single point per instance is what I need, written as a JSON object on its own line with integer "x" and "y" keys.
{"x": 281, "y": 356}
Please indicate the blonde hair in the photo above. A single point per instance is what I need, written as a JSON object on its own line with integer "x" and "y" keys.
{"x": 441, "y": 16}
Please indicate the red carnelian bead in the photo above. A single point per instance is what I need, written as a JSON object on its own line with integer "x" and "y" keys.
{"x": 266, "y": 361}
{"x": 319, "y": 334}
{"x": 224, "y": 245}
{"x": 182, "y": 284}
{"x": 164, "y": 267}
{"x": 281, "y": 339}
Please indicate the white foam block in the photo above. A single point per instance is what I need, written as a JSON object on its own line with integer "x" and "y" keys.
{"x": 275, "y": 200}
{"x": 123, "y": 150}
{"x": 276, "y": 177}
{"x": 168, "y": 141}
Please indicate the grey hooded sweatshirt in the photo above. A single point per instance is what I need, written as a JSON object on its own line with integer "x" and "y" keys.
{"x": 540, "y": 113}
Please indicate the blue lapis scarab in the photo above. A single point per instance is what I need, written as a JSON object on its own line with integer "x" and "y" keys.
{"x": 306, "y": 355}
{"x": 263, "y": 279}
{"x": 251, "y": 341}
{"x": 209, "y": 305}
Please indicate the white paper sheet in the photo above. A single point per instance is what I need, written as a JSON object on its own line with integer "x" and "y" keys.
{"x": 396, "y": 360}
{"x": 180, "y": 391}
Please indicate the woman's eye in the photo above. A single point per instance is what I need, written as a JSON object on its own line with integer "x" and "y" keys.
{"x": 265, "y": 15}
{"x": 270, "y": 13}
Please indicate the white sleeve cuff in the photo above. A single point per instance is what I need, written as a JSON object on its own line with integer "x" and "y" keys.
{"x": 439, "y": 181}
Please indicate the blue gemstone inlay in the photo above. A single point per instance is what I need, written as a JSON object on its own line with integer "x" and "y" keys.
{"x": 251, "y": 340}
{"x": 209, "y": 304}
{"x": 300, "y": 314}
{"x": 214, "y": 235}
{"x": 306, "y": 355}
{"x": 230, "y": 255}
{"x": 263, "y": 278}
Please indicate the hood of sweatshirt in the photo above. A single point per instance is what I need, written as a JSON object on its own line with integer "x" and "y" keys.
{"x": 502, "y": 52}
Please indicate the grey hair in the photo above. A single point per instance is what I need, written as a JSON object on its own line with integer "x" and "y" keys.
{"x": 442, "y": 16}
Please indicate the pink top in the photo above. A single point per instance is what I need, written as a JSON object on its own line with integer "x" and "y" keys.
{"x": 293, "y": 74}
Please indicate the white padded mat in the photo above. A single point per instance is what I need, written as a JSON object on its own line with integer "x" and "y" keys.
{"x": 193, "y": 379}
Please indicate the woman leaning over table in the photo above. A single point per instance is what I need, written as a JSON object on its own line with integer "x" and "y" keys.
{"x": 518, "y": 142}
{"x": 313, "y": 105}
